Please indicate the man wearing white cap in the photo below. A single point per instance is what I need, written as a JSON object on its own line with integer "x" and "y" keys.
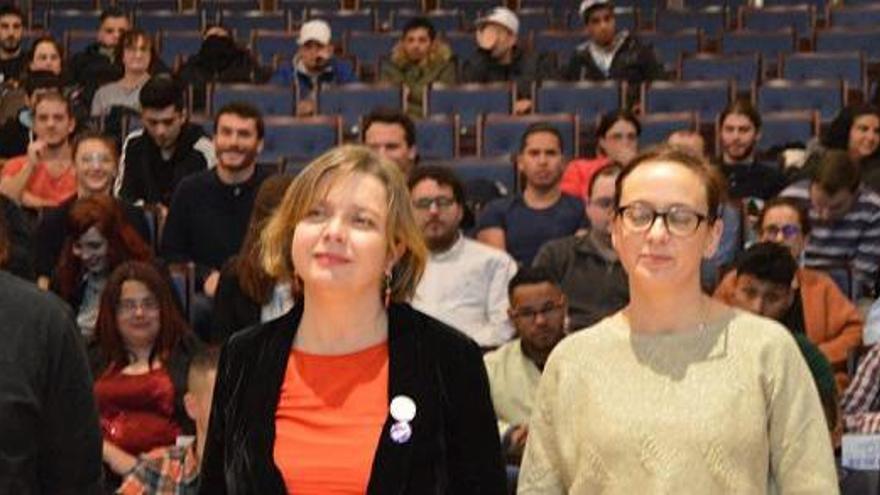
{"x": 313, "y": 65}
{"x": 499, "y": 58}
{"x": 608, "y": 53}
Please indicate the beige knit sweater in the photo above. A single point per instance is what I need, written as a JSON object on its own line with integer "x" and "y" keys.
{"x": 731, "y": 409}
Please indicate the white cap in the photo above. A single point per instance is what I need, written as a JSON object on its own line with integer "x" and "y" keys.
{"x": 589, "y": 4}
{"x": 316, "y": 30}
{"x": 502, "y": 16}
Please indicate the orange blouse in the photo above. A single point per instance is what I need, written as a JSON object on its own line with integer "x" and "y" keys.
{"x": 41, "y": 183}
{"x": 329, "y": 419}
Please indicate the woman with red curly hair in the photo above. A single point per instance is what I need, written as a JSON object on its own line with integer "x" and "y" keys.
{"x": 143, "y": 349}
{"x": 98, "y": 239}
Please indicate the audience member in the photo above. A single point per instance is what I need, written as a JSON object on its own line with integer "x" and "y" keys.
{"x": 522, "y": 223}
{"x": 45, "y": 56}
{"x": 97, "y": 64}
{"x": 856, "y": 130}
{"x": 175, "y": 469}
{"x": 584, "y": 265}
{"x": 813, "y": 304}
{"x": 313, "y": 388}
{"x": 15, "y": 133}
{"x": 500, "y": 57}
{"x": 51, "y": 438}
{"x": 676, "y": 390}
{"x": 136, "y": 54}
{"x": 465, "y": 282}
{"x": 98, "y": 240}
{"x": 166, "y": 150}
{"x": 45, "y": 176}
{"x": 418, "y": 60}
{"x": 246, "y": 294}
{"x": 95, "y": 160}
{"x": 141, "y": 358}
{"x": 220, "y": 60}
{"x": 845, "y": 217}
{"x": 313, "y": 65}
{"x": 609, "y": 53}
{"x": 746, "y": 177}
{"x": 861, "y": 402}
{"x": 688, "y": 140}
{"x": 210, "y": 210}
{"x": 765, "y": 285}
{"x": 11, "y": 55}
{"x": 538, "y": 312}
{"x": 392, "y": 135}
{"x": 617, "y": 140}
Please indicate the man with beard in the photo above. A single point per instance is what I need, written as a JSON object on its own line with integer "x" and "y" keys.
{"x": 392, "y": 135}
{"x": 44, "y": 176}
{"x": 746, "y": 177}
{"x": 210, "y": 210}
{"x": 168, "y": 148}
{"x": 522, "y": 223}
{"x": 465, "y": 282}
{"x": 538, "y": 309}
{"x": 609, "y": 53}
{"x": 313, "y": 65}
{"x": 96, "y": 65}
{"x": 845, "y": 216}
{"x": 11, "y": 56}
{"x": 585, "y": 265}
{"x": 16, "y": 132}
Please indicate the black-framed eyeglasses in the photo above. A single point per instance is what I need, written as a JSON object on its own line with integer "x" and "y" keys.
{"x": 679, "y": 221}
{"x": 442, "y": 202}
{"x": 529, "y": 314}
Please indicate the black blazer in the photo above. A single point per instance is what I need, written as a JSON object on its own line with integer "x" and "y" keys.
{"x": 454, "y": 447}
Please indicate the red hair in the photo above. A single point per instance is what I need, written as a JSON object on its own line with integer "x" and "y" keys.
{"x": 123, "y": 242}
{"x": 172, "y": 326}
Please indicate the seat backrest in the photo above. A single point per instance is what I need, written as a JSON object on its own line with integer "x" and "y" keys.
{"x": 657, "y": 127}
{"x": 629, "y": 18}
{"x": 770, "y": 44}
{"x": 826, "y": 97}
{"x": 270, "y": 100}
{"x": 169, "y": 20}
{"x": 781, "y": 128}
{"x": 846, "y": 39}
{"x": 245, "y": 21}
{"x": 854, "y": 16}
{"x": 669, "y": 47}
{"x": 174, "y": 43}
{"x": 370, "y": 46}
{"x": 77, "y": 40}
{"x": 562, "y": 43}
{"x": 356, "y": 99}
{"x": 801, "y": 18}
{"x": 711, "y": 20}
{"x": 501, "y": 134}
{"x": 341, "y": 21}
{"x": 385, "y": 9}
{"x": 470, "y": 100}
{"x": 847, "y": 66}
{"x": 61, "y": 21}
{"x": 462, "y": 43}
{"x": 300, "y": 138}
{"x": 269, "y": 45}
{"x": 707, "y": 98}
{"x": 588, "y": 99}
{"x": 744, "y": 69}
{"x": 437, "y": 137}
{"x": 496, "y": 170}
{"x": 442, "y": 19}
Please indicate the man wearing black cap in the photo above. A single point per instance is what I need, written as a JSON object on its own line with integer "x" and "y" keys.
{"x": 608, "y": 53}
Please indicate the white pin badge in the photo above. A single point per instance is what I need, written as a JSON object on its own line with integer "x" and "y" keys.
{"x": 403, "y": 410}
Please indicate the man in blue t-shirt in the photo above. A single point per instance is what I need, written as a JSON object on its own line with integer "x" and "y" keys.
{"x": 522, "y": 223}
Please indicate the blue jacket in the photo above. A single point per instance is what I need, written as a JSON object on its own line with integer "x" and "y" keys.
{"x": 336, "y": 72}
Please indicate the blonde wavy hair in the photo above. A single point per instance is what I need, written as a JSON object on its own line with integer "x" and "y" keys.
{"x": 314, "y": 182}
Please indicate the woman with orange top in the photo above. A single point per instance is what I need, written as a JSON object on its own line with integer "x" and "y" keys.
{"x": 352, "y": 391}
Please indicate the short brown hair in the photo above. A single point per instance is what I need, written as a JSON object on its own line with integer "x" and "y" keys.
{"x": 784, "y": 202}
{"x": 713, "y": 181}
{"x": 401, "y": 226}
{"x": 837, "y": 172}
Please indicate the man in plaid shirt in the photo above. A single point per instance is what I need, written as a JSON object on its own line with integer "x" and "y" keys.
{"x": 175, "y": 470}
{"x": 861, "y": 403}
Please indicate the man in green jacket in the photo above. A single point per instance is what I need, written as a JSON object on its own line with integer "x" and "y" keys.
{"x": 418, "y": 60}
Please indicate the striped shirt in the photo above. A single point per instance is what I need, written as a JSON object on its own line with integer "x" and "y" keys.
{"x": 861, "y": 402}
{"x": 852, "y": 239}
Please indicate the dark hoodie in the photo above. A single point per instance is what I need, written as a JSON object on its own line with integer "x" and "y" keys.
{"x": 220, "y": 60}
{"x": 146, "y": 176}
{"x": 92, "y": 69}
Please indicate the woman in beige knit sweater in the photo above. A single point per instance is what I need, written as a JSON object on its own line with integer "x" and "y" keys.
{"x": 677, "y": 393}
